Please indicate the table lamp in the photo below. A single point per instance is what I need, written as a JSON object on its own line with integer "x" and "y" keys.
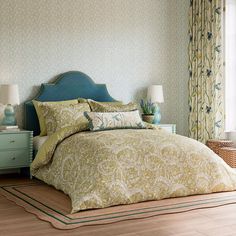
{"x": 9, "y": 96}
{"x": 155, "y": 95}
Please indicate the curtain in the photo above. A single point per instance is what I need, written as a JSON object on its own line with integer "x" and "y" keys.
{"x": 206, "y": 87}
{"x": 230, "y": 68}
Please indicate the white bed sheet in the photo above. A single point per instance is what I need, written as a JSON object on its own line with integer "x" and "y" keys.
{"x": 38, "y": 141}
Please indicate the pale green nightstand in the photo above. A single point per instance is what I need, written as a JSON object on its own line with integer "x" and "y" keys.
{"x": 16, "y": 148}
{"x": 168, "y": 127}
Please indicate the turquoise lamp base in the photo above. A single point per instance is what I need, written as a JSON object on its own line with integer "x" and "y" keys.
{"x": 157, "y": 117}
{"x": 9, "y": 118}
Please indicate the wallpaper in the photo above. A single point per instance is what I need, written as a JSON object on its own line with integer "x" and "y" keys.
{"x": 127, "y": 44}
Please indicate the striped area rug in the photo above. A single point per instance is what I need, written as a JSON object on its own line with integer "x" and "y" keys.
{"x": 53, "y": 206}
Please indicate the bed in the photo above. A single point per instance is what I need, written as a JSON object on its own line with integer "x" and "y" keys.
{"x": 120, "y": 166}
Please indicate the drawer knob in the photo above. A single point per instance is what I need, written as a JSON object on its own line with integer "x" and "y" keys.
{"x": 13, "y": 158}
{"x": 12, "y": 141}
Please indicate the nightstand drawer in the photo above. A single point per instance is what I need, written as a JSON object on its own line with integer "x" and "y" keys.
{"x": 9, "y": 141}
{"x": 14, "y": 158}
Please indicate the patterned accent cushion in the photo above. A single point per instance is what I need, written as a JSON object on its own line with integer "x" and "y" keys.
{"x": 114, "y": 120}
{"x": 37, "y": 105}
{"x": 111, "y": 107}
{"x": 60, "y": 116}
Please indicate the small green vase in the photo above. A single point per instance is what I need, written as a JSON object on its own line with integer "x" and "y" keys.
{"x": 9, "y": 118}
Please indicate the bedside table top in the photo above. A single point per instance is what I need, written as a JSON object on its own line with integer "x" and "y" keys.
{"x": 15, "y": 131}
{"x": 166, "y": 124}
{"x": 168, "y": 127}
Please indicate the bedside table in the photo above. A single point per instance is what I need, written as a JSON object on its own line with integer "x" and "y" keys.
{"x": 168, "y": 127}
{"x": 16, "y": 149}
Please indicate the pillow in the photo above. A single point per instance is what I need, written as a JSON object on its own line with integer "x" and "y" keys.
{"x": 82, "y": 100}
{"x": 62, "y": 115}
{"x": 111, "y": 107}
{"x": 37, "y": 105}
{"x": 114, "y": 120}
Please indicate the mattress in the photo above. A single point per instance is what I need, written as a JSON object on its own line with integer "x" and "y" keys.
{"x": 38, "y": 141}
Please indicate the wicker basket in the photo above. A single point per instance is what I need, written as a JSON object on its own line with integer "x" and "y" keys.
{"x": 228, "y": 154}
{"x": 216, "y": 144}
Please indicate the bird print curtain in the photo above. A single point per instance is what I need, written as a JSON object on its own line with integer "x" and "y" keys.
{"x": 206, "y": 101}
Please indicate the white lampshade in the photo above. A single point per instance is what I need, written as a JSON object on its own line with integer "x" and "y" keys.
{"x": 155, "y": 93}
{"x": 9, "y": 94}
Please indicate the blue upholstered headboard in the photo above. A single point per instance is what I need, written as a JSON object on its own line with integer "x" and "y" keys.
{"x": 69, "y": 85}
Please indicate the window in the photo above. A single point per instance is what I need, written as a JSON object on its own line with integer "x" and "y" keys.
{"x": 230, "y": 65}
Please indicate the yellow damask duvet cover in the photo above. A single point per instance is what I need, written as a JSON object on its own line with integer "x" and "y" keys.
{"x": 106, "y": 168}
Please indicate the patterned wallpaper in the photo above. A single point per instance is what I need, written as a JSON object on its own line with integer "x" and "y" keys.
{"x": 127, "y": 44}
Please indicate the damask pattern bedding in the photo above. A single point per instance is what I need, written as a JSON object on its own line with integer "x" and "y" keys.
{"x": 106, "y": 168}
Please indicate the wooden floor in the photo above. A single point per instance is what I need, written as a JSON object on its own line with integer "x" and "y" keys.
{"x": 221, "y": 221}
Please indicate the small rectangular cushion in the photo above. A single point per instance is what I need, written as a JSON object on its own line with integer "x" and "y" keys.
{"x": 111, "y": 107}
{"x": 37, "y": 105}
{"x": 62, "y": 115}
{"x": 114, "y": 120}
